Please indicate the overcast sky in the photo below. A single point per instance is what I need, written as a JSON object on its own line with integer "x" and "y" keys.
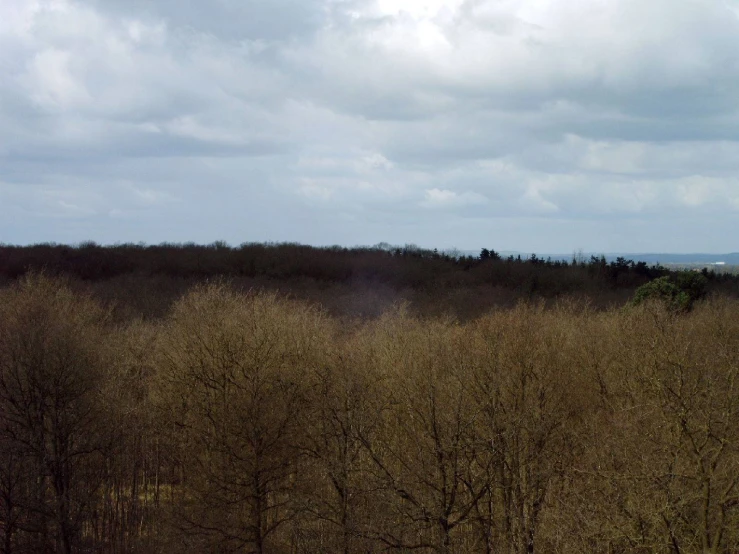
{"x": 532, "y": 125}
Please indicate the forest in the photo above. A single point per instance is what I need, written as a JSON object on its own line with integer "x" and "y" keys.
{"x": 280, "y": 398}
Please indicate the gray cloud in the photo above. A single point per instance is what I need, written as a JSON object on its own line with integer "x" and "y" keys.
{"x": 548, "y": 125}
{"x": 269, "y": 20}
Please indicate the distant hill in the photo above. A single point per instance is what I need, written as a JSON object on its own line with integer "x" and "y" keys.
{"x": 697, "y": 258}
{"x": 651, "y": 258}
{"x": 670, "y": 259}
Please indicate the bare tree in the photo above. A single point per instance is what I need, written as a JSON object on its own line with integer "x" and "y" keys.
{"x": 52, "y": 373}
{"x": 347, "y": 410}
{"x": 529, "y": 400}
{"x": 235, "y": 370}
{"x": 425, "y": 458}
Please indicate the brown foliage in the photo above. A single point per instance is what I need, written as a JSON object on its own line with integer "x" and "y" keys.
{"x": 249, "y": 422}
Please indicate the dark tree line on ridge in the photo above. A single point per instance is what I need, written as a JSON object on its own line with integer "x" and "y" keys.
{"x": 346, "y": 281}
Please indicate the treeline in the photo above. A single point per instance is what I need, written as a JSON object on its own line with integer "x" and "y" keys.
{"x": 249, "y": 422}
{"x": 401, "y": 266}
{"x": 354, "y": 282}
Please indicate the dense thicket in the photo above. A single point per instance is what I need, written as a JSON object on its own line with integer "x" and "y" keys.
{"x": 250, "y": 422}
{"x": 147, "y": 280}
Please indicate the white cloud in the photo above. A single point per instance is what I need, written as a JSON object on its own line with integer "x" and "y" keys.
{"x": 443, "y": 198}
{"x": 150, "y": 197}
{"x": 314, "y": 190}
{"x": 53, "y": 84}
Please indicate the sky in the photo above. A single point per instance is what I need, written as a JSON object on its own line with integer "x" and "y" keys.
{"x": 530, "y": 125}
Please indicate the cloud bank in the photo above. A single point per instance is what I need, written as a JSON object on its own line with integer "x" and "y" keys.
{"x": 537, "y": 125}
